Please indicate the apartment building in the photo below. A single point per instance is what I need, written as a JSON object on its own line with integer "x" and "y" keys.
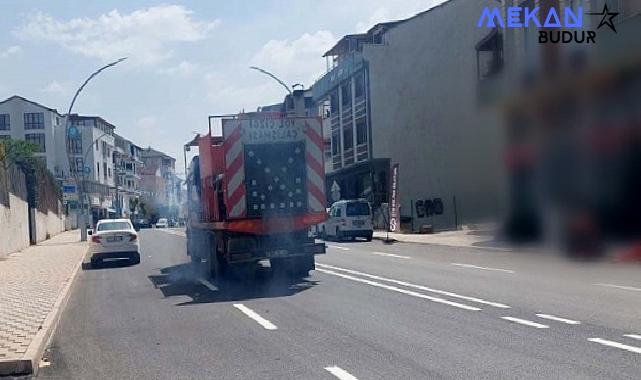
{"x": 127, "y": 166}
{"x": 405, "y": 92}
{"x": 159, "y": 185}
{"x": 91, "y": 155}
{"x": 23, "y": 119}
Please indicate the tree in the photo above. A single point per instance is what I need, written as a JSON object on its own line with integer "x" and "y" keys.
{"x": 16, "y": 152}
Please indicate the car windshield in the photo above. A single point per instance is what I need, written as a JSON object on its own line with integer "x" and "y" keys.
{"x": 162, "y": 220}
{"x": 357, "y": 209}
{"x": 114, "y": 226}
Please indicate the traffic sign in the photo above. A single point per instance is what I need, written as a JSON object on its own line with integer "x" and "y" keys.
{"x": 72, "y": 132}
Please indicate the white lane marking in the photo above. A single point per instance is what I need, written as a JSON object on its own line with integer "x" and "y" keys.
{"x": 340, "y": 373}
{"x": 390, "y": 255}
{"x": 399, "y": 290}
{"x": 620, "y": 287}
{"x": 633, "y": 336}
{"x": 208, "y": 284}
{"x": 483, "y": 268}
{"x": 253, "y": 315}
{"x": 526, "y": 322}
{"x": 558, "y": 319}
{"x": 611, "y": 343}
{"x": 421, "y": 287}
{"x": 338, "y": 247}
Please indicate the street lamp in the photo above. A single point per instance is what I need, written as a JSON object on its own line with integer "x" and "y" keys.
{"x": 81, "y": 216}
{"x": 273, "y": 77}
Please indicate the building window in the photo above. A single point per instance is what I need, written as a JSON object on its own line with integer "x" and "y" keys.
{"x": 75, "y": 145}
{"x": 346, "y": 94}
{"x": 97, "y": 146}
{"x": 359, "y": 85}
{"x": 361, "y": 131}
{"x": 328, "y": 148}
{"x": 348, "y": 138}
{"x": 109, "y": 171}
{"x": 333, "y": 102}
{"x": 5, "y": 137}
{"x": 37, "y": 139}
{"x": 104, "y": 171}
{"x": 35, "y": 120}
{"x": 98, "y": 169}
{"x": 336, "y": 143}
{"x": 489, "y": 55}
{"x": 5, "y": 122}
{"x": 78, "y": 165}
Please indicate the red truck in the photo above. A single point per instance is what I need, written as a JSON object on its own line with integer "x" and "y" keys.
{"x": 254, "y": 192}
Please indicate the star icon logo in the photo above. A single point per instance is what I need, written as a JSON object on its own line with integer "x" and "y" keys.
{"x": 607, "y": 18}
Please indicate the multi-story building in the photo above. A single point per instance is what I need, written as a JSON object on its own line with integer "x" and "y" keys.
{"x": 405, "y": 92}
{"x": 91, "y": 156}
{"x": 23, "y": 119}
{"x": 127, "y": 165}
{"x": 160, "y": 187}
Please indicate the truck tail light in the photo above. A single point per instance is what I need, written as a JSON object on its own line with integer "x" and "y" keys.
{"x": 95, "y": 239}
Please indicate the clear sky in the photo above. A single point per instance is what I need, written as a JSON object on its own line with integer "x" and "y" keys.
{"x": 187, "y": 59}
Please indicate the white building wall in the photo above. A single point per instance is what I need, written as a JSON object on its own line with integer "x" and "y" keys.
{"x": 423, "y": 86}
{"x": 16, "y": 108}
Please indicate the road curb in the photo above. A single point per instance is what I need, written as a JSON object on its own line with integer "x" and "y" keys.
{"x": 28, "y": 364}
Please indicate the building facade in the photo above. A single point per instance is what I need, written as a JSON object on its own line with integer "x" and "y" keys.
{"x": 160, "y": 187}
{"x": 128, "y": 166}
{"x": 91, "y": 156}
{"x": 22, "y": 119}
{"x": 405, "y": 92}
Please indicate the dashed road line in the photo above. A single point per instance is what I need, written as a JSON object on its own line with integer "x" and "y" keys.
{"x": 420, "y": 287}
{"x": 526, "y": 322}
{"x": 340, "y": 373}
{"x": 633, "y": 336}
{"x": 559, "y": 319}
{"x": 399, "y": 290}
{"x": 255, "y": 316}
{"x": 614, "y": 344}
{"x": 483, "y": 268}
{"x": 390, "y": 255}
{"x": 338, "y": 247}
{"x": 623, "y": 287}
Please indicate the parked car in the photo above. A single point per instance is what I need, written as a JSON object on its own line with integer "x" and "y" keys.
{"x": 141, "y": 223}
{"x": 162, "y": 223}
{"x": 349, "y": 219}
{"x": 114, "y": 239}
{"x": 172, "y": 223}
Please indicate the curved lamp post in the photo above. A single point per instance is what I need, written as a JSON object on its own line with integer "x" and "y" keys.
{"x": 80, "y": 186}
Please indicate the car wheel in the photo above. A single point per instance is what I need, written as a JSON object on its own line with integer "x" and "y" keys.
{"x": 135, "y": 259}
{"x": 369, "y": 237}
{"x": 339, "y": 234}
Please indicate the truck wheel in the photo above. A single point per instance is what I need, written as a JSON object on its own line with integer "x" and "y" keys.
{"x": 302, "y": 265}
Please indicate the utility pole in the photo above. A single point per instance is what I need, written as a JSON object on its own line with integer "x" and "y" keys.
{"x": 82, "y": 223}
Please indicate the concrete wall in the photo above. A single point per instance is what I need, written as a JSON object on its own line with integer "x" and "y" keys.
{"x": 424, "y": 116}
{"x": 48, "y": 225}
{"x": 14, "y": 226}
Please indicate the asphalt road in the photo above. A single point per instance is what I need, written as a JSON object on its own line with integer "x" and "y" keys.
{"x": 369, "y": 311}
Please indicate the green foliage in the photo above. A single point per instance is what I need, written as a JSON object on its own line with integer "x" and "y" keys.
{"x": 17, "y": 152}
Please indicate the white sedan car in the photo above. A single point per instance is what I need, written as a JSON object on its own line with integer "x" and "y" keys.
{"x": 162, "y": 223}
{"x": 114, "y": 239}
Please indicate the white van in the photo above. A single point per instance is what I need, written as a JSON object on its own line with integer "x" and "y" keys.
{"x": 349, "y": 218}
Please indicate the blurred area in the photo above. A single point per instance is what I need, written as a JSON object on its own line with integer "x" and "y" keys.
{"x": 572, "y": 122}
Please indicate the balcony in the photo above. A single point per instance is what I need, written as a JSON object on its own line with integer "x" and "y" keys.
{"x": 349, "y": 64}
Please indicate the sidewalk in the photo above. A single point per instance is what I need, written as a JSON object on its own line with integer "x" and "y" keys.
{"x": 34, "y": 286}
{"x": 459, "y": 238}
